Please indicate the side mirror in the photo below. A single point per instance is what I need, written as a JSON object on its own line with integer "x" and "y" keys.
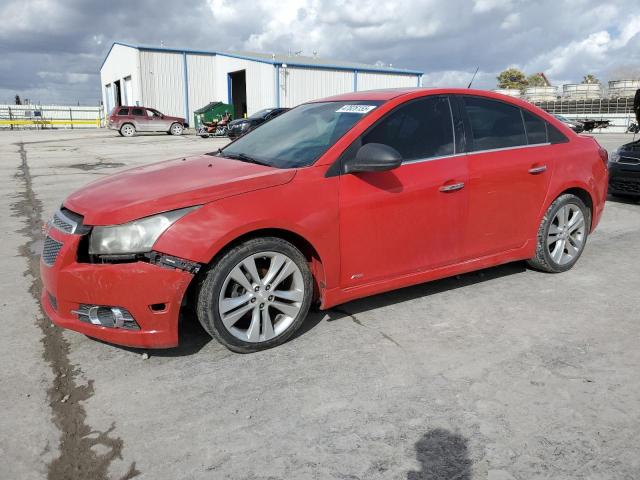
{"x": 374, "y": 157}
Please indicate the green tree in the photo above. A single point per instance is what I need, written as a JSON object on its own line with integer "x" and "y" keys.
{"x": 590, "y": 79}
{"x": 536, "y": 80}
{"x": 512, "y": 78}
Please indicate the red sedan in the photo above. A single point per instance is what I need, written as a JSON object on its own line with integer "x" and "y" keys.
{"x": 334, "y": 200}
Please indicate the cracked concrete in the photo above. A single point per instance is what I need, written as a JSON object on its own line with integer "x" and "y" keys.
{"x": 501, "y": 374}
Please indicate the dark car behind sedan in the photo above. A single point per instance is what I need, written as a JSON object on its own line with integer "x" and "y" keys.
{"x": 575, "y": 125}
{"x": 243, "y": 125}
{"x": 624, "y": 171}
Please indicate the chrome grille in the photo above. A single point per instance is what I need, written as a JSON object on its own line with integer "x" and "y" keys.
{"x": 50, "y": 251}
{"x": 64, "y": 223}
{"x": 629, "y": 161}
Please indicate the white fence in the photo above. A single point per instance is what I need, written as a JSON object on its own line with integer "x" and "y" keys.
{"x": 50, "y": 116}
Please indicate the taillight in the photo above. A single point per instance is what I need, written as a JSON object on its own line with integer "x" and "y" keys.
{"x": 604, "y": 155}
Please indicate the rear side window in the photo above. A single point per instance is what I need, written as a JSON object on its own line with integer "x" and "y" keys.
{"x": 555, "y": 135}
{"x": 123, "y": 111}
{"x": 494, "y": 124}
{"x": 536, "y": 128}
{"x": 137, "y": 112}
{"x": 418, "y": 129}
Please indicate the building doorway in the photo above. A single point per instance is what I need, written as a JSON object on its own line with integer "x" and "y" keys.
{"x": 117, "y": 92}
{"x": 237, "y": 82}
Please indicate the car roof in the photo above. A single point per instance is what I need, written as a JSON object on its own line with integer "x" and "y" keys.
{"x": 390, "y": 93}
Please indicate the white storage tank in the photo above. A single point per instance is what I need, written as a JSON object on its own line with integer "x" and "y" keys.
{"x": 510, "y": 92}
{"x": 541, "y": 94}
{"x": 582, "y": 91}
{"x": 623, "y": 88}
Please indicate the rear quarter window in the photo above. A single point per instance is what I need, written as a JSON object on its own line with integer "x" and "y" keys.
{"x": 123, "y": 111}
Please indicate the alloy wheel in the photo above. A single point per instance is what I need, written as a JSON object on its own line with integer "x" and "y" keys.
{"x": 128, "y": 130}
{"x": 261, "y": 297}
{"x": 176, "y": 129}
{"x": 566, "y": 236}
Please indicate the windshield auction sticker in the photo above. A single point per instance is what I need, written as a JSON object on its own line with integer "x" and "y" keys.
{"x": 361, "y": 109}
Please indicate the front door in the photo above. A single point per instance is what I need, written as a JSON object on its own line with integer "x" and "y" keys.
{"x": 510, "y": 167}
{"x": 409, "y": 219}
{"x": 157, "y": 121}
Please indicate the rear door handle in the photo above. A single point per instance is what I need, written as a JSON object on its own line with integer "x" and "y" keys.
{"x": 452, "y": 187}
{"x": 537, "y": 170}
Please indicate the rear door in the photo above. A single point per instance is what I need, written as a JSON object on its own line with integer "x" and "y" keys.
{"x": 409, "y": 219}
{"x": 510, "y": 165}
{"x": 140, "y": 119}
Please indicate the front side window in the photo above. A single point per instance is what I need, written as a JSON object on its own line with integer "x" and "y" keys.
{"x": 418, "y": 129}
{"x": 494, "y": 124}
{"x": 299, "y": 137}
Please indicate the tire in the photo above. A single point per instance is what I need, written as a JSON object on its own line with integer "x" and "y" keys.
{"x": 176, "y": 129}
{"x": 254, "y": 319}
{"x": 561, "y": 239}
{"x": 127, "y": 130}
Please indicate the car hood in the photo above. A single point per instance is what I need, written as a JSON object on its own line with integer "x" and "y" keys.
{"x": 632, "y": 149}
{"x": 170, "y": 185}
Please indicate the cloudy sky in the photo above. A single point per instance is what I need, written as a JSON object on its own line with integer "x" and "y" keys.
{"x": 51, "y": 51}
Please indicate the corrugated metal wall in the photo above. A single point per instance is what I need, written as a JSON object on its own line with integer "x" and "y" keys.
{"x": 373, "y": 81}
{"x": 202, "y": 72}
{"x": 260, "y": 82}
{"x": 162, "y": 79}
{"x": 299, "y": 85}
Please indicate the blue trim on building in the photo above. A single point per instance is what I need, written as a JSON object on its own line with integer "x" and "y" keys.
{"x": 277, "y": 80}
{"x": 355, "y": 80}
{"x": 185, "y": 71}
{"x": 262, "y": 60}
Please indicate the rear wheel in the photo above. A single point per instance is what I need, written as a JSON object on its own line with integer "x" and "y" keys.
{"x": 127, "y": 130}
{"x": 176, "y": 129}
{"x": 562, "y": 235}
{"x": 256, "y": 296}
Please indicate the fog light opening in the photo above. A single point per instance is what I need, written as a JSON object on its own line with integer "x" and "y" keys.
{"x": 158, "y": 307}
{"x": 106, "y": 316}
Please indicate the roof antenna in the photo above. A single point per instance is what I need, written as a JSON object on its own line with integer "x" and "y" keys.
{"x": 474, "y": 77}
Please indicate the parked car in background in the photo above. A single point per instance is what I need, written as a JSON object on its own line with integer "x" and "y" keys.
{"x": 331, "y": 201}
{"x": 624, "y": 171}
{"x": 574, "y": 125}
{"x": 243, "y": 125}
{"x": 129, "y": 120}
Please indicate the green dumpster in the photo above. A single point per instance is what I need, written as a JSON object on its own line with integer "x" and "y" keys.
{"x": 210, "y": 112}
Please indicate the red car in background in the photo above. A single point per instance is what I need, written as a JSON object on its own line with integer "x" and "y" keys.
{"x": 334, "y": 200}
{"x": 130, "y": 120}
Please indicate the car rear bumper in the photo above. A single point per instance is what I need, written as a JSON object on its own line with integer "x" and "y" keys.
{"x": 150, "y": 293}
{"x": 624, "y": 179}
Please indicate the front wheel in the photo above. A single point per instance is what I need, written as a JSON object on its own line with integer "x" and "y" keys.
{"x": 562, "y": 235}
{"x": 176, "y": 129}
{"x": 256, "y": 296}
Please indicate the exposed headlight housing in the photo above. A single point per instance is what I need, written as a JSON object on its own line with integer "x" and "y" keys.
{"x": 137, "y": 236}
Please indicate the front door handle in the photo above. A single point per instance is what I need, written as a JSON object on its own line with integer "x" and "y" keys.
{"x": 537, "y": 170}
{"x": 452, "y": 187}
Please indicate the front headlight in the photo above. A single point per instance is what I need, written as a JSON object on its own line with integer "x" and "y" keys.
{"x": 244, "y": 126}
{"x": 614, "y": 156}
{"x": 133, "y": 237}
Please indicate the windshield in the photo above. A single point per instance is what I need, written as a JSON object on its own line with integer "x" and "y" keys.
{"x": 261, "y": 113}
{"x": 561, "y": 118}
{"x": 299, "y": 137}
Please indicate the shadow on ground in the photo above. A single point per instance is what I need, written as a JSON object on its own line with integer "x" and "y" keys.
{"x": 442, "y": 456}
{"x": 192, "y": 337}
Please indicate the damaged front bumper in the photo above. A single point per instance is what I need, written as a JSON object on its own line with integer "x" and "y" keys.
{"x": 135, "y": 303}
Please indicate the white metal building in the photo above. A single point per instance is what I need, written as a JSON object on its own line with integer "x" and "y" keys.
{"x": 177, "y": 82}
